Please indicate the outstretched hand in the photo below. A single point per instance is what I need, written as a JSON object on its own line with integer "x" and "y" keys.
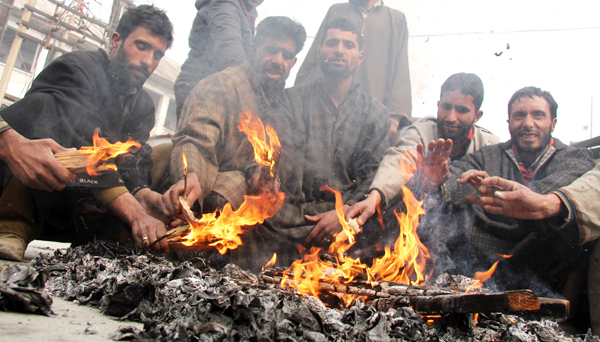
{"x": 192, "y": 193}
{"x": 328, "y": 225}
{"x": 33, "y": 161}
{"x": 365, "y": 208}
{"x": 503, "y": 197}
{"x": 434, "y": 169}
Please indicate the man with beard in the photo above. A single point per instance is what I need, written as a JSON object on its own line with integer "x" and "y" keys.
{"x": 532, "y": 158}
{"x": 207, "y": 132}
{"x": 78, "y": 93}
{"x": 384, "y": 72}
{"x": 340, "y": 134}
{"x": 458, "y": 111}
{"x": 221, "y": 37}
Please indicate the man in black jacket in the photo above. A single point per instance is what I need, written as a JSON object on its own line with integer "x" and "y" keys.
{"x": 78, "y": 93}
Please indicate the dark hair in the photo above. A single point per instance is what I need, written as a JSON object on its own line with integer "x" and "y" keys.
{"x": 469, "y": 84}
{"x": 150, "y": 17}
{"x": 344, "y": 25}
{"x": 531, "y": 92}
{"x": 280, "y": 28}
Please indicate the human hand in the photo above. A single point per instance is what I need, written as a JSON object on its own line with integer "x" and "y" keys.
{"x": 434, "y": 170}
{"x": 192, "y": 193}
{"x": 33, "y": 161}
{"x": 365, "y": 208}
{"x": 503, "y": 197}
{"x": 152, "y": 202}
{"x": 327, "y": 227}
{"x": 474, "y": 177}
{"x": 257, "y": 181}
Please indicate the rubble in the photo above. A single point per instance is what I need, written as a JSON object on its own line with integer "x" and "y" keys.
{"x": 190, "y": 301}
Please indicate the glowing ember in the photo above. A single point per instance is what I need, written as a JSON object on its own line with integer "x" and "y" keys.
{"x": 221, "y": 230}
{"x": 475, "y": 319}
{"x": 406, "y": 263}
{"x": 264, "y": 154}
{"x": 430, "y": 319}
{"x": 482, "y": 277}
{"x": 271, "y": 262}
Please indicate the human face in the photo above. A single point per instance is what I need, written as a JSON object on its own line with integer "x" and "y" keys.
{"x": 138, "y": 55}
{"x": 456, "y": 115}
{"x": 531, "y": 124}
{"x": 273, "y": 60}
{"x": 339, "y": 55}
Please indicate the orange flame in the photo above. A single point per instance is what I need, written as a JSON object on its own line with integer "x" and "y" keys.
{"x": 184, "y": 163}
{"x": 264, "y": 154}
{"x": 482, "y": 277}
{"x": 339, "y": 209}
{"x": 103, "y": 151}
{"x": 405, "y": 264}
{"x": 271, "y": 262}
{"x": 221, "y": 230}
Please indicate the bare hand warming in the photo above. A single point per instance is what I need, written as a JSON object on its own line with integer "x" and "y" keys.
{"x": 152, "y": 202}
{"x": 328, "y": 225}
{"x": 192, "y": 193}
{"x": 503, "y": 197}
{"x": 434, "y": 170}
{"x": 33, "y": 161}
{"x": 366, "y": 208}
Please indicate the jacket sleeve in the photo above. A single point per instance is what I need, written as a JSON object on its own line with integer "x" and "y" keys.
{"x": 398, "y": 98}
{"x": 566, "y": 167}
{"x": 387, "y": 179}
{"x": 225, "y": 29}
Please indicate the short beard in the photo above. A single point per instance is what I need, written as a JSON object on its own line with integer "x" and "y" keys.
{"x": 459, "y": 135}
{"x": 526, "y": 150}
{"x": 333, "y": 73}
{"x": 123, "y": 80}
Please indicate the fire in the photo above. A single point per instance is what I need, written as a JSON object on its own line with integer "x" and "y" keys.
{"x": 482, "y": 277}
{"x": 264, "y": 154}
{"x": 103, "y": 151}
{"x": 222, "y": 230}
{"x": 430, "y": 319}
{"x": 406, "y": 263}
{"x": 271, "y": 262}
{"x": 184, "y": 163}
{"x": 339, "y": 209}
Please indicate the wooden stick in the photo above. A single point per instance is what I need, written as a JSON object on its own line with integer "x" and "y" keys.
{"x": 76, "y": 162}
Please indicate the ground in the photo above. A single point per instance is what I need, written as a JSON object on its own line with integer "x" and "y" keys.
{"x": 71, "y": 322}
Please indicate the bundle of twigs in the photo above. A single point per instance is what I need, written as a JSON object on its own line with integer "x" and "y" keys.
{"x": 76, "y": 161}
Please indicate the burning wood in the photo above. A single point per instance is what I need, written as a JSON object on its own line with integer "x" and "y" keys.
{"x": 92, "y": 159}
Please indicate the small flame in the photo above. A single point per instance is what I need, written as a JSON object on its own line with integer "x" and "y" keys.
{"x": 430, "y": 319}
{"x": 103, "y": 151}
{"x": 339, "y": 209}
{"x": 184, "y": 163}
{"x": 475, "y": 319}
{"x": 482, "y": 277}
{"x": 271, "y": 262}
{"x": 264, "y": 154}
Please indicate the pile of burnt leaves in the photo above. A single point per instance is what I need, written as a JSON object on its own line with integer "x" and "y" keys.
{"x": 189, "y": 301}
{"x": 22, "y": 289}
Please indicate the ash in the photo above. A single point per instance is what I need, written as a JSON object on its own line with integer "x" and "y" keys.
{"x": 191, "y": 301}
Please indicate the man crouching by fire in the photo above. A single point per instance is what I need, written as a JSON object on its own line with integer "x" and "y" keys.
{"x": 339, "y": 136}
{"x": 76, "y": 94}
{"x": 543, "y": 259}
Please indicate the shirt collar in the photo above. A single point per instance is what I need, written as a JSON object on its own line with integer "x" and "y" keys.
{"x": 367, "y": 12}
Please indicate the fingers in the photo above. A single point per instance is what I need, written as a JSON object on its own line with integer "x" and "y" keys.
{"x": 313, "y": 234}
{"x": 502, "y": 183}
{"x": 420, "y": 149}
{"x": 314, "y": 218}
{"x": 171, "y": 198}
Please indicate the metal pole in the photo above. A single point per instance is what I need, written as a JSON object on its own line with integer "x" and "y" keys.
{"x": 14, "y": 51}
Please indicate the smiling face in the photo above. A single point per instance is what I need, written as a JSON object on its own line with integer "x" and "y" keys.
{"x": 456, "y": 115}
{"x": 273, "y": 60}
{"x": 531, "y": 124}
{"x": 136, "y": 58}
{"x": 339, "y": 55}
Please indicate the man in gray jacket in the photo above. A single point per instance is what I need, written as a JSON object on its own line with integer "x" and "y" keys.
{"x": 458, "y": 111}
{"x": 221, "y": 37}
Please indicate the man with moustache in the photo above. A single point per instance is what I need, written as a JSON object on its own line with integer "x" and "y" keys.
{"x": 221, "y": 37}
{"x": 78, "y": 93}
{"x": 216, "y": 150}
{"x": 532, "y": 158}
{"x": 458, "y": 110}
{"x": 339, "y": 136}
{"x": 384, "y": 72}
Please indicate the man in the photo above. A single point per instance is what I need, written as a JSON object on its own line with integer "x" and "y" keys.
{"x": 221, "y": 37}
{"x": 458, "y": 111}
{"x": 384, "y": 73}
{"x": 340, "y": 134}
{"x": 532, "y": 158}
{"x": 75, "y": 95}
{"x": 572, "y": 210}
{"x": 216, "y": 151}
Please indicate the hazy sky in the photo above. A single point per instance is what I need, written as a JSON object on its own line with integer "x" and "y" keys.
{"x": 554, "y": 45}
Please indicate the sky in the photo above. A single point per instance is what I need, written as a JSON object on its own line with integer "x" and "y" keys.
{"x": 510, "y": 44}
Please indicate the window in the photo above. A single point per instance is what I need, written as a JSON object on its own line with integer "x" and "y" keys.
{"x": 26, "y": 56}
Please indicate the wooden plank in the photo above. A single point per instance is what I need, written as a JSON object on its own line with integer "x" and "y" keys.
{"x": 505, "y": 302}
